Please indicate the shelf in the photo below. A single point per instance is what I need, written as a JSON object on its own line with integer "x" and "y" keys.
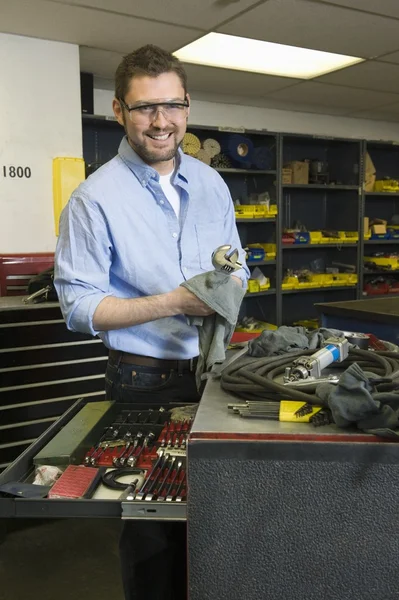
{"x": 386, "y": 194}
{"x": 254, "y": 263}
{"x": 270, "y": 292}
{"x": 269, "y": 220}
{"x": 245, "y": 171}
{"x": 337, "y": 245}
{"x": 319, "y": 186}
{"x": 320, "y": 289}
{"x": 381, "y": 272}
{"x": 374, "y": 242}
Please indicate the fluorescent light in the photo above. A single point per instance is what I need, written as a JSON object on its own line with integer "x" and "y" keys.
{"x": 244, "y": 54}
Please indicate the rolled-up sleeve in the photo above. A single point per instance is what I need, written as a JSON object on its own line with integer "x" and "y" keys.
{"x": 231, "y": 234}
{"x": 82, "y": 262}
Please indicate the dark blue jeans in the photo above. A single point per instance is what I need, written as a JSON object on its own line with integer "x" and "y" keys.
{"x": 153, "y": 553}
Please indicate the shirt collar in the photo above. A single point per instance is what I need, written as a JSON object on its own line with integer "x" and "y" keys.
{"x": 143, "y": 171}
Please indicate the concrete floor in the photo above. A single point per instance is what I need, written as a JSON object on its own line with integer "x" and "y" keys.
{"x": 71, "y": 559}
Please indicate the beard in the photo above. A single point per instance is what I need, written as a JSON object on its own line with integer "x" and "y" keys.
{"x": 153, "y": 155}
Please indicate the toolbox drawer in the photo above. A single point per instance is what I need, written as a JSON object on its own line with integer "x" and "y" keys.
{"x": 105, "y": 503}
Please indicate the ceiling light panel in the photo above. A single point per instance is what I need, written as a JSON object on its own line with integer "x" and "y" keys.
{"x": 255, "y": 56}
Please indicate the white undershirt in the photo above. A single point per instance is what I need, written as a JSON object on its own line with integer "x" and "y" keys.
{"x": 172, "y": 192}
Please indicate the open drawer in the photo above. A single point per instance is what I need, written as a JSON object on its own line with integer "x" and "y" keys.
{"x": 93, "y": 437}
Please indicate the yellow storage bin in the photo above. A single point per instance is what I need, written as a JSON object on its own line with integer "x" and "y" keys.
{"x": 260, "y": 211}
{"x": 270, "y": 250}
{"x": 253, "y": 286}
{"x": 367, "y": 235}
{"x": 391, "y": 261}
{"x": 348, "y": 237}
{"x": 352, "y": 279}
{"x": 244, "y": 211}
{"x": 320, "y": 279}
{"x": 290, "y": 283}
{"x": 68, "y": 173}
{"x": 315, "y": 237}
{"x": 386, "y": 185}
{"x": 265, "y": 286}
{"x": 273, "y": 209}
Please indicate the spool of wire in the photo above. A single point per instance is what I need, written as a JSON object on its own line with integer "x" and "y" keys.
{"x": 211, "y": 147}
{"x": 191, "y": 144}
{"x": 239, "y": 149}
{"x": 262, "y": 158}
{"x": 204, "y": 157}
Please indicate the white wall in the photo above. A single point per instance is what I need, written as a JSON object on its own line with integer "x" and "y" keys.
{"x": 40, "y": 118}
{"x": 251, "y": 117}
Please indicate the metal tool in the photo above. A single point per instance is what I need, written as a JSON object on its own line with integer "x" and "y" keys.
{"x": 225, "y": 261}
{"x": 181, "y": 488}
{"x": 132, "y": 460}
{"x": 43, "y": 292}
{"x": 169, "y": 494}
{"x": 125, "y": 457}
{"x": 96, "y": 448}
{"x": 128, "y": 438}
{"x": 147, "y": 483}
{"x": 310, "y": 367}
{"x": 158, "y": 489}
{"x": 164, "y": 480}
{"x": 94, "y": 459}
{"x": 129, "y": 492}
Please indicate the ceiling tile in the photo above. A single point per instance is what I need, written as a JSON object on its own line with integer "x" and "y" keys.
{"x": 370, "y": 75}
{"x": 391, "y": 58}
{"x": 101, "y": 63}
{"x": 319, "y": 26}
{"x": 390, "y": 8}
{"x": 53, "y": 21}
{"x": 386, "y": 113}
{"x": 210, "y": 79}
{"x": 203, "y": 14}
{"x": 324, "y": 95}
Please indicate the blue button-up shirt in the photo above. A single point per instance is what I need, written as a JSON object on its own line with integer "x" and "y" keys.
{"x": 119, "y": 236}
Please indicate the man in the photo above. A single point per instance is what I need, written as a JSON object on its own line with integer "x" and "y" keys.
{"x": 130, "y": 234}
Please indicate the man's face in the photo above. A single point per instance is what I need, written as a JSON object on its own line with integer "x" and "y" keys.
{"x": 154, "y": 136}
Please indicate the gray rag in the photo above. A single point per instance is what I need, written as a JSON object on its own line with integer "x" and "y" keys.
{"x": 353, "y": 401}
{"x": 289, "y": 339}
{"x": 224, "y": 296}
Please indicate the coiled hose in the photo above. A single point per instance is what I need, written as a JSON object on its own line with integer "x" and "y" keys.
{"x": 254, "y": 378}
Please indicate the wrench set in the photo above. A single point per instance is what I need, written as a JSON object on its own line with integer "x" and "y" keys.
{"x": 149, "y": 441}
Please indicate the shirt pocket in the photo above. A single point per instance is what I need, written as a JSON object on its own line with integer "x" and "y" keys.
{"x": 209, "y": 237}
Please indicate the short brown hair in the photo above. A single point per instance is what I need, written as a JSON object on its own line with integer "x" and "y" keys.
{"x": 148, "y": 60}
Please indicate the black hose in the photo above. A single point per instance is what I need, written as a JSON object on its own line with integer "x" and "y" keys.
{"x": 110, "y": 478}
{"x": 254, "y": 378}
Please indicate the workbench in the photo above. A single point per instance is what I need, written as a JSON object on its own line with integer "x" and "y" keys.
{"x": 375, "y": 315}
{"x": 287, "y": 511}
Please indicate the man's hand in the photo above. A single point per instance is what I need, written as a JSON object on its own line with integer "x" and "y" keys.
{"x": 187, "y": 303}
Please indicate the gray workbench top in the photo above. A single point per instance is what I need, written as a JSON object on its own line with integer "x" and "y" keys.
{"x": 16, "y": 303}
{"x": 383, "y": 310}
{"x": 215, "y": 421}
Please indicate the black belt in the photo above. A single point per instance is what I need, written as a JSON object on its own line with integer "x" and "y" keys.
{"x": 149, "y": 361}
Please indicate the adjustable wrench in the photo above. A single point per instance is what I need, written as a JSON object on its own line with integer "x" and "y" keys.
{"x": 225, "y": 261}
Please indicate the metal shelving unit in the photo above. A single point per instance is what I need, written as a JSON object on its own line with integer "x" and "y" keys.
{"x": 339, "y": 206}
{"x": 315, "y": 186}
{"x": 320, "y": 289}
{"x": 315, "y": 246}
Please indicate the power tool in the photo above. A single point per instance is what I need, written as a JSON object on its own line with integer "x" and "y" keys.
{"x": 310, "y": 367}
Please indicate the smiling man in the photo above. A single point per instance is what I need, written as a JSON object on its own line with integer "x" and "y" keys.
{"x": 130, "y": 235}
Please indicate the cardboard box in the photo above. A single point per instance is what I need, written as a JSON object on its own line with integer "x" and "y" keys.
{"x": 369, "y": 174}
{"x": 300, "y": 171}
{"x": 286, "y": 176}
{"x": 379, "y": 228}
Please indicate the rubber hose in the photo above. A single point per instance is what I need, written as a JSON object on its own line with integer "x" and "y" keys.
{"x": 254, "y": 378}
